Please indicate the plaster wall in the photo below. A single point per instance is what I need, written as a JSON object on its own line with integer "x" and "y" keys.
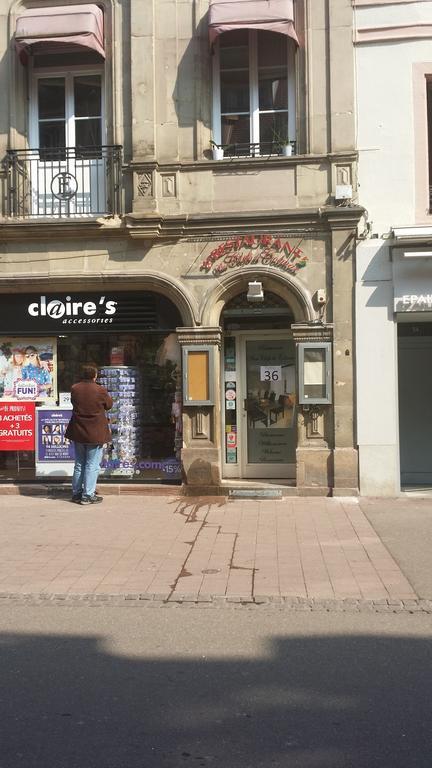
{"x": 386, "y": 105}
{"x": 377, "y": 397}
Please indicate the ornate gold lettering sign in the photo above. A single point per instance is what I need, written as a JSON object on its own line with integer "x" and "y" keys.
{"x": 255, "y": 249}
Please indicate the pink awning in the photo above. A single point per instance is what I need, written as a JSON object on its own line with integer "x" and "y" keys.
{"x": 272, "y": 15}
{"x": 48, "y": 30}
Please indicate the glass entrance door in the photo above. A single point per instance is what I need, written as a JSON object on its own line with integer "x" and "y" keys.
{"x": 259, "y": 405}
{"x": 269, "y": 416}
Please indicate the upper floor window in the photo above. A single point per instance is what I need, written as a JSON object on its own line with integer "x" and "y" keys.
{"x": 254, "y": 93}
{"x": 68, "y": 168}
{"x": 67, "y": 111}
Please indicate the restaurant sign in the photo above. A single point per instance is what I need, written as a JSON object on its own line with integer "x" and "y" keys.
{"x": 265, "y": 250}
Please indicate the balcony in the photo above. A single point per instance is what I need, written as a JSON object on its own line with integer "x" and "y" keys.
{"x": 63, "y": 182}
{"x": 261, "y": 149}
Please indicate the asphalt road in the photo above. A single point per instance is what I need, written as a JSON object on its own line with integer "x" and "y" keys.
{"x": 404, "y": 525}
{"x": 136, "y": 687}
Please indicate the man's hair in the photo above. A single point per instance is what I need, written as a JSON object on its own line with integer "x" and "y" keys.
{"x": 88, "y": 372}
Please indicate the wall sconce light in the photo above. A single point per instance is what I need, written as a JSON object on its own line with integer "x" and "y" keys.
{"x": 255, "y": 292}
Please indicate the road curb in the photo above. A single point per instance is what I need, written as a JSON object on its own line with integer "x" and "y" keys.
{"x": 298, "y": 604}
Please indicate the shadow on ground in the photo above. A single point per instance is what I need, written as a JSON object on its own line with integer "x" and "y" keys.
{"x": 314, "y": 702}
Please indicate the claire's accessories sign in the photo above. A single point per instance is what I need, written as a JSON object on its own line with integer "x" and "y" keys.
{"x": 64, "y": 313}
{"x": 255, "y": 249}
{"x": 73, "y": 312}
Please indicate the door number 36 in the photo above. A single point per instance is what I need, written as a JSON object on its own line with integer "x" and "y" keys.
{"x": 271, "y": 373}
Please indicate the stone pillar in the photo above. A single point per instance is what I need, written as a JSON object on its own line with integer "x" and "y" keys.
{"x": 341, "y": 105}
{"x": 345, "y": 451}
{"x": 314, "y": 453}
{"x": 201, "y": 457}
{"x": 143, "y": 105}
{"x": 143, "y": 80}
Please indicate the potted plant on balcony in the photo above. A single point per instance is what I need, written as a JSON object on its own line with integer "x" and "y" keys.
{"x": 218, "y": 151}
{"x": 283, "y": 143}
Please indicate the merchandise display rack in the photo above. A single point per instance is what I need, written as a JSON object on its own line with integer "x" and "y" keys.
{"x": 123, "y": 383}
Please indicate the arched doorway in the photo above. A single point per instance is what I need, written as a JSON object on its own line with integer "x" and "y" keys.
{"x": 258, "y": 389}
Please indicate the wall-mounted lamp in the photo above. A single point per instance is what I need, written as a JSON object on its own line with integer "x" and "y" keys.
{"x": 255, "y": 292}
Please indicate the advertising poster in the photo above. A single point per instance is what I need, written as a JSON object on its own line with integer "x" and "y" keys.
{"x": 17, "y": 426}
{"x": 54, "y": 453}
{"x": 28, "y": 369}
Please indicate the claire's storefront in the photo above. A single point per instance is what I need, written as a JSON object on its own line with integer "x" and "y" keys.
{"x": 131, "y": 338}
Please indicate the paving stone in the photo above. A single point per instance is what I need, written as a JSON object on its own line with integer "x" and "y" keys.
{"x": 66, "y": 560}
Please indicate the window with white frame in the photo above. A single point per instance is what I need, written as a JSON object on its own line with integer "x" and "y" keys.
{"x": 67, "y": 161}
{"x": 254, "y": 93}
{"x": 67, "y": 111}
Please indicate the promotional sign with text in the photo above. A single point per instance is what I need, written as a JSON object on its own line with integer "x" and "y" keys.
{"x": 52, "y": 445}
{"x": 28, "y": 369}
{"x": 17, "y": 426}
{"x": 54, "y": 452}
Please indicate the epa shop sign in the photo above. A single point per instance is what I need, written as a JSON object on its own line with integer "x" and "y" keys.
{"x": 17, "y": 426}
{"x": 71, "y": 311}
{"x": 413, "y": 302}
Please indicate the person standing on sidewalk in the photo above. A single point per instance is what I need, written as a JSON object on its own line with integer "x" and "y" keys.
{"x": 89, "y": 430}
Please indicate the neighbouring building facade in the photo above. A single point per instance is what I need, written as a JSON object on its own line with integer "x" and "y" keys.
{"x": 179, "y": 207}
{"x": 393, "y": 42}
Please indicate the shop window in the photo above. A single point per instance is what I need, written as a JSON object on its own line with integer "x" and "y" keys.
{"x": 254, "y": 93}
{"x": 132, "y": 339}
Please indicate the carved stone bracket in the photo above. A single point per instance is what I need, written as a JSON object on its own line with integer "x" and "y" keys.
{"x": 343, "y": 173}
{"x": 200, "y": 335}
{"x": 314, "y": 423}
{"x": 201, "y": 424}
{"x": 169, "y": 184}
{"x": 144, "y": 184}
{"x": 312, "y": 332}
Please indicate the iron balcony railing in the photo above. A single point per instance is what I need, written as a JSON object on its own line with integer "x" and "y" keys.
{"x": 261, "y": 149}
{"x": 63, "y": 182}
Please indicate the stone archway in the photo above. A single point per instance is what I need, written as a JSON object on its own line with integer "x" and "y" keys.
{"x": 287, "y": 287}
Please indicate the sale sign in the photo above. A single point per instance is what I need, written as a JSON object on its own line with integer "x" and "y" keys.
{"x": 17, "y": 426}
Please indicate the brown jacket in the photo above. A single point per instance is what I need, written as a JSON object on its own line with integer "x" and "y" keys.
{"x": 89, "y": 422}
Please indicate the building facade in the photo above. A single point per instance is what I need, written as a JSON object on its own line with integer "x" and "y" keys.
{"x": 179, "y": 207}
{"x": 394, "y": 258}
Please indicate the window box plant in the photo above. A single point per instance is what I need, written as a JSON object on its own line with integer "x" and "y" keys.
{"x": 283, "y": 144}
{"x": 218, "y": 151}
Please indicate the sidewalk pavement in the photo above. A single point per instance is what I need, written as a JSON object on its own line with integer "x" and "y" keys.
{"x": 199, "y": 548}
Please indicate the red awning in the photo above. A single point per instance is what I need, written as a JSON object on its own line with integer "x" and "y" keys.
{"x": 48, "y": 30}
{"x": 272, "y": 15}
